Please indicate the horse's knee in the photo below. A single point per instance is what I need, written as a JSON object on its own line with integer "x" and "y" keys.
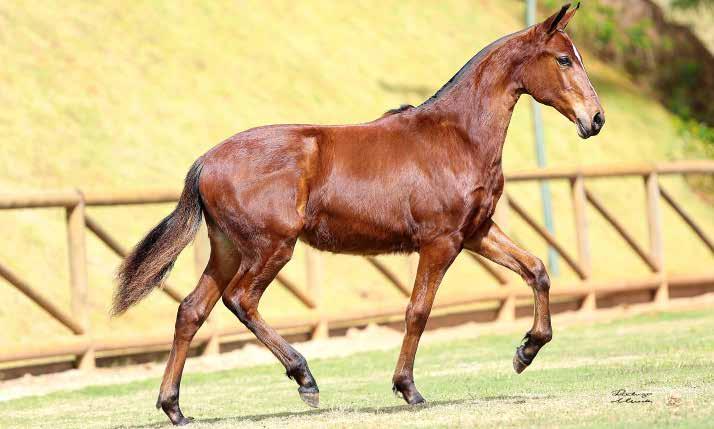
{"x": 538, "y": 277}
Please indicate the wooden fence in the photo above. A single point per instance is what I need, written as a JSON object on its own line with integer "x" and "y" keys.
{"x": 585, "y": 291}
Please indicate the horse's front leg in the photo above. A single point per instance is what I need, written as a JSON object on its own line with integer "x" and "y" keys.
{"x": 434, "y": 259}
{"x": 494, "y": 245}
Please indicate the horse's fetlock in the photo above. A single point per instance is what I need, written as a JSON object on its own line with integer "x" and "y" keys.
{"x": 402, "y": 381}
{"x": 296, "y": 367}
{"x": 542, "y": 337}
{"x": 167, "y": 400}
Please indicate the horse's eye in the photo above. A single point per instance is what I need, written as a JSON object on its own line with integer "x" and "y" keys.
{"x": 564, "y": 61}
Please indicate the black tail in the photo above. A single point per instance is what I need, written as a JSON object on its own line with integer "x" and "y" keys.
{"x": 152, "y": 259}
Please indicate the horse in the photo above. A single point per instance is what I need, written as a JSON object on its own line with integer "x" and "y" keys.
{"x": 420, "y": 179}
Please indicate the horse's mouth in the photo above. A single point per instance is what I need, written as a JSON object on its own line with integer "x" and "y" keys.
{"x": 584, "y": 132}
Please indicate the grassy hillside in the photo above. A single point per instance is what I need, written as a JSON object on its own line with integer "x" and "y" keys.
{"x": 105, "y": 95}
{"x": 469, "y": 383}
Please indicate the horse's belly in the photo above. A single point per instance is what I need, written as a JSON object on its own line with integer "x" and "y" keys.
{"x": 356, "y": 236}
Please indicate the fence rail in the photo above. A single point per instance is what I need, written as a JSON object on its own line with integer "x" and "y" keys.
{"x": 587, "y": 291}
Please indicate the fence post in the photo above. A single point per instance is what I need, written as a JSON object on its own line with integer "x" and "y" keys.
{"x": 313, "y": 262}
{"x": 577, "y": 188}
{"x": 654, "y": 218}
{"x": 79, "y": 299}
{"x": 507, "y": 311}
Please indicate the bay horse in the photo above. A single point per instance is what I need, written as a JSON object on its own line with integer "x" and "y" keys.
{"x": 420, "y": 179}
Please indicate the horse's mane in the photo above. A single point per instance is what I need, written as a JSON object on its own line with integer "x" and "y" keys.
{"x": 463, "y": 71}
{"x": 399, "y": 109}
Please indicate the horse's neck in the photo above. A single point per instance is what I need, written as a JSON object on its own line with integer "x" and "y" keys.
{"x": 482, "y": 105}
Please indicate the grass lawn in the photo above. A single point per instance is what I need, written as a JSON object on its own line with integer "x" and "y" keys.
{"x": 468, "y": 383}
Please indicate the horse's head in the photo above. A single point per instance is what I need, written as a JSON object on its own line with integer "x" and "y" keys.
{"x": 553, "y": 73}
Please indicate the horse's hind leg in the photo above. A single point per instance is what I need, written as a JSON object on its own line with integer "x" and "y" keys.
{"x": 493, "y": 244}
{"x": 242, "y": 297}
{"x": 192, "y": 312}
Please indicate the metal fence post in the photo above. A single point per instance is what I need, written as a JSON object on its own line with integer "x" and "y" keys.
{"x": 79, "y": 300}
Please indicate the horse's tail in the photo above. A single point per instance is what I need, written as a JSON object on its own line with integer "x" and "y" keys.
{"x": 151, "y": 260}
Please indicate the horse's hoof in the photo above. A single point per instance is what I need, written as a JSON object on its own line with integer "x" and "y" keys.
{"x": 183, "y": 421}
{"x": 310, "y": 396}
{"x": 409, "y": 393}
{"x": 519, "y": 361}
{"x": 417, "y": 399}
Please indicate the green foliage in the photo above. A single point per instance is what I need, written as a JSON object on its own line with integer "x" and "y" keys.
{"x": 699, "y": 141}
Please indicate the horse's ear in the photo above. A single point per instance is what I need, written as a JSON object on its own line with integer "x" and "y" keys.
{"x": 559, "y": 20}
{"x": 564, "y": 22}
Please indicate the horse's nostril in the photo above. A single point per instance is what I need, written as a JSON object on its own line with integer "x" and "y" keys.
{"x": 598, "y": 120}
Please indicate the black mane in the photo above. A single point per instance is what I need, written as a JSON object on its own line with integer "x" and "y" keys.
{"x": 399, "y": 109}
{"x": 466, "y": 67}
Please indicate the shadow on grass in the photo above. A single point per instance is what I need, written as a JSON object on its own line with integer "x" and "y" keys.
{"x": 514, "y": 399}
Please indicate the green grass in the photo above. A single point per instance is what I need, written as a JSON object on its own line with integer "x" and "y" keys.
{"x": 469, "y": 383}
{"x": 106, "y": 95}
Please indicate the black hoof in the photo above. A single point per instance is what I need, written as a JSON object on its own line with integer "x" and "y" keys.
{"x": 183, "y": 421}
{"x": 310, "y": 396}
{"x": 409, "y": 393}
{"x": 416, "y": 399}
{"x": 173, "y": 412}
{"x": 520, "y": 361}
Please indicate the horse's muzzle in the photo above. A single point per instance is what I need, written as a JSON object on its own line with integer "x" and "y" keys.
{"x": 591, "y": 129}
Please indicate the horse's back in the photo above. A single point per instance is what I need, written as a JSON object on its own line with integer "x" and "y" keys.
{"x": 369, "y": 188}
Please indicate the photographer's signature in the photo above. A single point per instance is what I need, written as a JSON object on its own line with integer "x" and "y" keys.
{"x": 624, "y": 396}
